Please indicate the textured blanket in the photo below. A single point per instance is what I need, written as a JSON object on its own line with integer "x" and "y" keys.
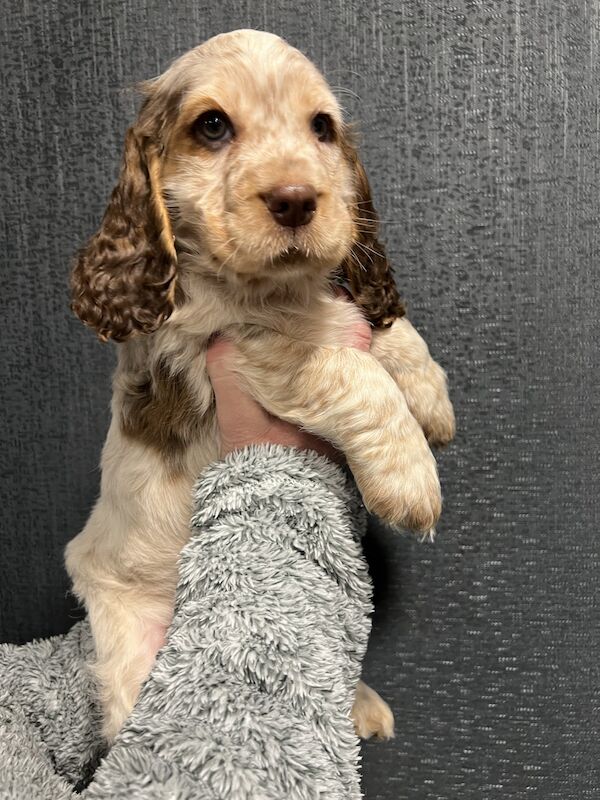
{"x": 251, "y": 695}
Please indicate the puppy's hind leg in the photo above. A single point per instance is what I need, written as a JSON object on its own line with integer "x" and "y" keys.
{"x": 371, "y": 715}
{"x": 128, "y": 633}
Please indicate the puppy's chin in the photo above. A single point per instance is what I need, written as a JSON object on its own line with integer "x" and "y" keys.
{"x": 288, "y": 267}
{"x": 290, "y": 264}
{"x": 294, "y": 262}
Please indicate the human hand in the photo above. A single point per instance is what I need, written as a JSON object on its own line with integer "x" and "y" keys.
{"x": 242, "y": 421}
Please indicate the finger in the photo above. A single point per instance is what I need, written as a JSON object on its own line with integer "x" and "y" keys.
{"x": 362, "y": 335}
{"x": 360, "y": 332}
{"x": 239, "y": 416}
{"x": 220, "y": 350}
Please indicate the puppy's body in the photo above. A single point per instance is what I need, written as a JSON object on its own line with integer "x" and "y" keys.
{"x": 223, "y": 255}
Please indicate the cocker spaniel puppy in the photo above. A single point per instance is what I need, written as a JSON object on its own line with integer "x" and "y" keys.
{"x": 240, "y": 196}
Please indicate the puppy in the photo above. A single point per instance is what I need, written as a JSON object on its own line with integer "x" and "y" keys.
{"x": 240, "y": 196}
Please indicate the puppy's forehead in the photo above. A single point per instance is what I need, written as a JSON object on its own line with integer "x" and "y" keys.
{"x": 248, "y": 73}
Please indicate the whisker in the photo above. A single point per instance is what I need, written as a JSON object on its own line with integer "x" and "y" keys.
{"x": 359, "y": 263}
{"x": 366, "y": 251}
{"x": 345, "y": 90}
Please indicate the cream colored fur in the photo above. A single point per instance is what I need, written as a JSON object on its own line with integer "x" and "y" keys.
{"x": 293, "y": 352}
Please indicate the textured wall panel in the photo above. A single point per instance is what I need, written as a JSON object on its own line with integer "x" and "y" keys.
{"x": 480, "y": 126}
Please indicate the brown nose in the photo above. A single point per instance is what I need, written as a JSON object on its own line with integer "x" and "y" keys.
{"x": 292, "y": 206}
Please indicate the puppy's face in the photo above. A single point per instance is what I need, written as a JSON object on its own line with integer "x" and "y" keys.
{"x": 253, "y": 171}
{"x": 239, "y": 158}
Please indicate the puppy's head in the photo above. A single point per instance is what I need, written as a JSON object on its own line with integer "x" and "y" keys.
{"x": 240, "y": 157}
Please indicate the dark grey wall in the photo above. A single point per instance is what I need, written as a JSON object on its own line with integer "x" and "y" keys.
{"x": 481, "y": 135}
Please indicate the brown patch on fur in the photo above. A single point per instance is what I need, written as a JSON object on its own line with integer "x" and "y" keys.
{"x": 123, "y": 281}
{"x": 367, "y": 268}
{"x": 160, "y": 411}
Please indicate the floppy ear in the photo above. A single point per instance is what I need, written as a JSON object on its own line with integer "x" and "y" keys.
{"x": 123, "y": 281}
{"x": 366, "y": 268}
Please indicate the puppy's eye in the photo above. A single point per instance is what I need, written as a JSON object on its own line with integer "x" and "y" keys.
{"x": 213, "y": 128}
{"x": 322, "y": 126}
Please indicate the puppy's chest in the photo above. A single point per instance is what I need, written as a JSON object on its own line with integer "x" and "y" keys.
{"x": 163, "y": 396}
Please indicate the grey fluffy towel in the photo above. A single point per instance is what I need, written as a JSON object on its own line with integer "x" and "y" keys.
{"x": 251, "y": 695}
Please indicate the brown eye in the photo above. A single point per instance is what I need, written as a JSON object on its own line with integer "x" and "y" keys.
{"x": 213, "y": 128}
{"x": 322, "y": 127}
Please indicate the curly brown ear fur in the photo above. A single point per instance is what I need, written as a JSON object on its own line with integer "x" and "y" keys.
{"x": 123, "y": 280}
{"x": 366, "y": 268}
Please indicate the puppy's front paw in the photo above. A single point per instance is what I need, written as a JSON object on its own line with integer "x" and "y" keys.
{"x": 426, "y": 392}
{"x": 440, "y": 425}
{"x": 371, "y": 715}
{"x": 402, "y": 486}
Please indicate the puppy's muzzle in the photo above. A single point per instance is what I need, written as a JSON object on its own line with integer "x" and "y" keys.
{"x": 291, "y": 206}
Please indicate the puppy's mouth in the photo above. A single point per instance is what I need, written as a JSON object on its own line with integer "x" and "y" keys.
{"x": 300, "y": 257}
{"x": 291, "y": 255}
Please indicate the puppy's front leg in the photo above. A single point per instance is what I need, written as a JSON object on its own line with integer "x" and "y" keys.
{"x": 347, "y": 397}
{"x": 405, "y": 355}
